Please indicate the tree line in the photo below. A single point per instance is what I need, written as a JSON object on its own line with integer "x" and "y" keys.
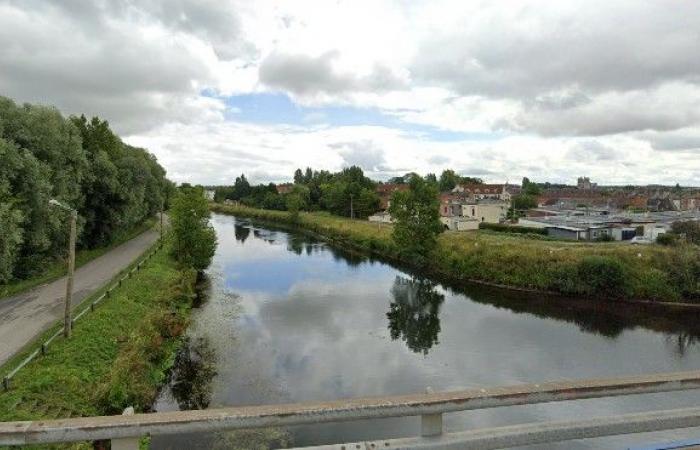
{"x": 344, "y": 193}
{"x": 79, "y": 162}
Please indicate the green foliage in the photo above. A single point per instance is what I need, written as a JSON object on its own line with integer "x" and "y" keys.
{"x": 504, "y": 228}
{"x": 524, "y": 201}
{"x": 118, "y": 355}
{"x": 689, "y": 228}
{"x": 195, "y": 238}
{"x": 683, "y": 266}
{"x": 297, "y": 200}
{"x": 417, "y": 220}
{"x": 668, "y": 239}
{"x": 595, "y": 276}
{"x": 531, "y": 189}
{"x": 79, "y": 162}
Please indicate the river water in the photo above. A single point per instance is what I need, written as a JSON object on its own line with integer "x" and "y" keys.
{"x": 287, "y": 318}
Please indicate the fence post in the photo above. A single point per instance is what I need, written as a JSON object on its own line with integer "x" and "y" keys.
{"x": 130, "y": 443}
{"x": 6, "y": 383}
{"x": 431, "y": 425}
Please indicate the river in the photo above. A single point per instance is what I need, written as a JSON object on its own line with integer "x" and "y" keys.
{"x": 287, "y": 318}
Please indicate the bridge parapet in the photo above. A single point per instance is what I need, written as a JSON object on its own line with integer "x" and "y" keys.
{"x": 125, "y": 430}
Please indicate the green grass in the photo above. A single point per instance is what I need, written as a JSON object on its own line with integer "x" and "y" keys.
{"x": 118, "y": 355}
{"x": 652, "y": 272}
{"x": 57, "y": 269}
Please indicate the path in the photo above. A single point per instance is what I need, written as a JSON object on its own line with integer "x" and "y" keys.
{"x": 26, "y": 315}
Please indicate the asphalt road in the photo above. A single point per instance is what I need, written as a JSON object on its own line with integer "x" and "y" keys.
{"x": 26, "y": 315}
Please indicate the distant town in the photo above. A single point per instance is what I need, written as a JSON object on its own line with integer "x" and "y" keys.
{"x": 586, "y": 211}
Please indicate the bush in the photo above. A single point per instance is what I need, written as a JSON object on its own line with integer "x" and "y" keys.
{"x": 503, "y": 228}
{"x": 602, "y": 276}
{"x": 667, "y": 239}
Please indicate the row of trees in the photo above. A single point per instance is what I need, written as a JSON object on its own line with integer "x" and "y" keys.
{"x": 79, "y": 162}
{"x": 345, "y": 193}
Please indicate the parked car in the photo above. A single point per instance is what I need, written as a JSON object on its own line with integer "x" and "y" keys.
{"x": 640, "y": 240}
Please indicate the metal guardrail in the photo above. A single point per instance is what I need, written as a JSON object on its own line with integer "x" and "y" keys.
{"x": 125, "y": 430}
{"x": 43, "y": 349}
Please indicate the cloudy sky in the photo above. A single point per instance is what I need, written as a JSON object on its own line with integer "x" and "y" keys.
{"x": 496, "y": 89}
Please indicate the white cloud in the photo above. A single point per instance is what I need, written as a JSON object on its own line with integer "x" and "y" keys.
{"x": 576, "y": 87}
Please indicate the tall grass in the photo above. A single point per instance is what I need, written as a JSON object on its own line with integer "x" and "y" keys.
{"x": 611, "y": 270}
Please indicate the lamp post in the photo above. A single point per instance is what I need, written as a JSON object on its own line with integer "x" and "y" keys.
{"x": 67, "y": 324}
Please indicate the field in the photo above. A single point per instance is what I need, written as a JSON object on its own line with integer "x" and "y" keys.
{"x": 602, "y": 269}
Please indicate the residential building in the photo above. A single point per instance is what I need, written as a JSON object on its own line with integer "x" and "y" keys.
{"x": 484, "y": 191}
{"x": 486, "y": 211}
{"x": 285, "y": 188}
{"x": 381, "y": 217}
{"x": 385, "y": 191}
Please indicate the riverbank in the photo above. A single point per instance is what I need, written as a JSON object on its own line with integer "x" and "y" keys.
{"x": 58, "y": 269}
{"x": 118, "y": 355}
{"x": 602, "y": 270}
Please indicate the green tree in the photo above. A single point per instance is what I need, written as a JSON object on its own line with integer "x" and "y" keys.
{"x": 297, "y": 200}
{"x": 448, "y": 180}
{"x": 523, "y": 201}
{"x": 417, "y": 220}
{"x": 195, "y": 238}
{"x": 298, "y": 176}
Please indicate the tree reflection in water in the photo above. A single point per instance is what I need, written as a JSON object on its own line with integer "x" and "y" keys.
{"x": 242, "y": 232}
{"x": 194, "y": 369}
{"x": 413, "y": 315}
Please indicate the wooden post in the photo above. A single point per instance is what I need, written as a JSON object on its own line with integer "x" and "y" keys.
{"x": 71, "y": 270}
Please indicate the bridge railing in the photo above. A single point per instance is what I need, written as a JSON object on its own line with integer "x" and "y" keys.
{"x": 125, "y": 430}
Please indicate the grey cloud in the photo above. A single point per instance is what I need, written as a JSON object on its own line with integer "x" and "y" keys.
{"x": 438, "y": 160}
{"x": 363, "y": 154}
{"x": 688, "y": 139}
{"x": 593, "y": 47}
{"x": 307, "y": 75}
{"x": 92, "y": 59}
{"x": 591, "y": 151}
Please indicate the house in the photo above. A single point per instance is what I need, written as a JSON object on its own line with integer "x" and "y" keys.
{"x": 484, "y": 191}
{"x": 458, "y": 223}
{"x": 450, "y": 205}
{"x": 386, "y": 190}
{"x": 381, "y": 217}
{"x": 285, "y": 188}
{"x": 209, "y": 194}
{"x": 489, "y": 211}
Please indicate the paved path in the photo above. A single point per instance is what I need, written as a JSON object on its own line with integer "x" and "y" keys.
{"x": 26, "y": 315}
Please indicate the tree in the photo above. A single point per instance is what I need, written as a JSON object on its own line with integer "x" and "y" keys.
{"x": 296, "y": 201}
{"x": 523, "y": 201}
{"x": 298, "y": 177}
{"x": 241, "y": 188}
{"x": 448, "y": 180}
{"x": 689, "y": 228}
{"x": 417, "y": 220}
{"x": 195, "y": 238}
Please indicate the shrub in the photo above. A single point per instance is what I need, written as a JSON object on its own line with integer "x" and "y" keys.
{"x": 667, "y": 239}
{"x": 684, "y": 270}
{"x": 602, "y": 276}
{"x": 503, "y": 228}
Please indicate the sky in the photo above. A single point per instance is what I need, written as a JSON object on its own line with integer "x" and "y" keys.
{"x": 498, "y": 89}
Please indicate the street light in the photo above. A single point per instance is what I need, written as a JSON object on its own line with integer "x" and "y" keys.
{"x": 71, "y": 264}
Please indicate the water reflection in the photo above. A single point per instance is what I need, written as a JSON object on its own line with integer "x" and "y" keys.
{"x": 294, "y": 319}
{"x": 413, "y": 315}
{"x": 241, "y": 232}
{"x": 192, "y": 374}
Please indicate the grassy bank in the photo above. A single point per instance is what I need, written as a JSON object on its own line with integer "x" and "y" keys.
{"x": 57, "y": 269}
{"x": 603, "y": 270}
{"x": 118, "y": 355}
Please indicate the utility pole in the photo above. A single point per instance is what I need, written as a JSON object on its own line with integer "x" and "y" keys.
{"x": 352, "y": 211}
{"x": 67, "y": 323}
